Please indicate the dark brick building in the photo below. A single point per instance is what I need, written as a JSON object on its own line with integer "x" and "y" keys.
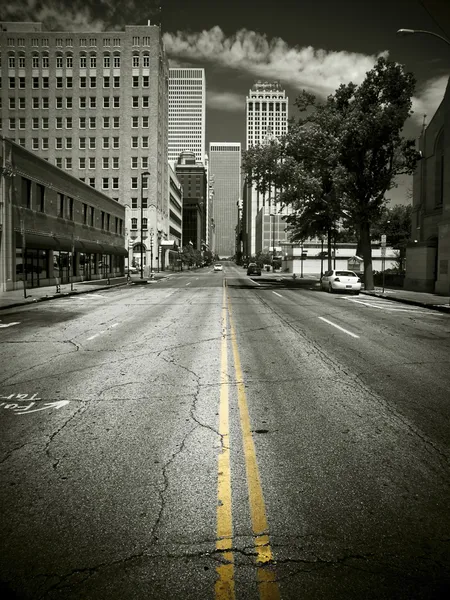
{"x": 192, "y": 176}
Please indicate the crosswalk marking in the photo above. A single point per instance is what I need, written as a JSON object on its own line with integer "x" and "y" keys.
{"x": 388, "y": 305}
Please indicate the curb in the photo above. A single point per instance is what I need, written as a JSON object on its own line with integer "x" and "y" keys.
{"x": 60, "y": 295}
{"x": 440, "y": 308}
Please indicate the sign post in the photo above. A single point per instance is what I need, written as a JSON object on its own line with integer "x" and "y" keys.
{"x": 24, "y": 256}
{"x": 383, "y": 255}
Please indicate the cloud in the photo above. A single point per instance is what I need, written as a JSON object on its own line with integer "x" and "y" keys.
{"x": 428, "y": 98}
{"x": 228, "y": 101}
{"x": 318, "y": 71}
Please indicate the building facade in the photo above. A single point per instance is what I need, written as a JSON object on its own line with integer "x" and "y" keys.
{"x": 187, "y": 113}
{"x": 192, "y": 177}
{"x": 428, "y": 254}
{"x": 225, "y": 168}
{"x": 267, "y": 112}
{"x": 54, "y": 228}
{"x": 96, "y": 105}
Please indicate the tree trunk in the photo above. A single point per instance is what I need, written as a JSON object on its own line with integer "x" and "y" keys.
{"x": 329, "y": 248}
{"x": 366, "y": 251}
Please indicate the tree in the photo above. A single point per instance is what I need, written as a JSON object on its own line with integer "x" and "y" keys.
{"x": 395, "y": 223}
{"x": 342, "y": 157}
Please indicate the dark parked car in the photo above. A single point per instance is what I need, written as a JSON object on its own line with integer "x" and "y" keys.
{"x": 253, "y": 269}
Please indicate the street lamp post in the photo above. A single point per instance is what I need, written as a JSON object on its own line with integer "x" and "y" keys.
{"x": 412, "y": 31}
{"x": 273, "y": 241}
{"x": 144, "y": 174}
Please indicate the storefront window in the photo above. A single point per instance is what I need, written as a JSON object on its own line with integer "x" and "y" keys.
{"x": 34, "y": 266}
{"x": 61, "y": 264}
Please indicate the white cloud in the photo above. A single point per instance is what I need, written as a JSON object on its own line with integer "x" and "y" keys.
{"x": 428, "y": 98}
{"x": 318, "y": 71}
{"x": 225, "y": 101}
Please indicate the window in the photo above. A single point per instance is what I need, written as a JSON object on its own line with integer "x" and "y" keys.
{"x": 69, "y": 42}
{"x": 45, "y": 143}
{"x": 107, "y": 41}
{"x": 135, "y": 102}
{"x": 85, "y": 213}
{"x": 82, "y": 102}
{"x": 22, "y": 123}
{"x": 116, "y": 81}
{"x": 92, "y": 162}
{"x": 45, "y": 83}
{"x": 12, "y": 103}
{"x": 105, "y": 122}
{"x": 144, "y": 202}
{"x": 135, "y": 81}
{"x": 92, "y": 143}
{"x": 82, "y": 122}
{"x": 116, "y": 122}
{"x": 59, "y": 62}
{"x": 145, "y": 81}
{"x": 35, "y": 123}
{"x": 92, "y": 82}
{"x": 34, "y": 62}
{"x": 105, "y": 143}
{"x": 69, "y": 102}
{"x": 145, "y": 101}
{"x": 115, "y": 162}
{"x": 68, "y": 143}
{"x": 92, "y": 181}
{"x": 21, "y": 83}
{"x": 116, "y": 61}
{"x": 116, "y": 143}
{"x": 69, "y": 62}
{"x": 58, "y": 42}
{"x": 60, "y": 206}
{"x": 45, "y": 103}
{"x": 59, "y": 102}
{"x": 145, "y": 121}
{"x": 134, "y": 162}
{"x": 116, "y": 101}
{"x": 92, "y": 122}
{"x": 58, "y": 162}
{"x": 82, "y": 41}
{"x": 21, "y": 103}
{"x": 105, "y": 183}
{"x": 69, "y": 162}
{"x": 69, "y": 208}
{"x": 58, "y": 143}
{"x": 115, "y": 183}
{"x": 106, "y": 82}
{"x": 83, "y": 62}
{"x": 69, "y": 82}
{"x": 146, "y": 41}
{"x": 26, "y": 192}
{"x": 82, "y": 162}
{"x": 145, "y": 141}
{"x": 93, "y": 62}
{"x": 82, "y": 143}
{"x": 68, "y": 122}
{"x": 106, "y": 62}
{"x": 116, "y": 42}
{"x": 144, "y": 162}
{"x": 134, "y": 183}
{"x": 35, "y": 143}
{"x": 82, "y": 82}
{"x": 145, "y": 182}
{"x": 58, "y": 122}
{"x": 134, "y": 202}
{"x": 106, "y": 102}
{"x": 44, "y": 122}
{"x": 59, "y": 82}
{"x": 92, "y": 215}
{"x": 102, "y": 219}
{"x": 116, "y": 224}
{"x": 146, "y": 60}
{"x": 135, "y": 142}
{"x": 133, "y": 223}
{"x": 92, "y": 102}
{"x": 144, "y": 223}
{"x": 40, "y": 200}
{"x": 134, "y": 121}
{"x": 105, "y": 162}
{"x": 135, "y": 40}
{"x": 92, "y": 41}
{"x": 12, "y": 62}
{"x": 135, "y": 61}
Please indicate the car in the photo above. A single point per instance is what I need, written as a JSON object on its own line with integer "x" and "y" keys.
{"x": 218, "y": 267}
{"x": 253, "y": 269}
{"x": 337, "y": 279}
{"x": 133, "y": 270}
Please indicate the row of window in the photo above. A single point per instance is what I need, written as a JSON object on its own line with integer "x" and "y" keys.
{"x": 270, "y": 105}
{"x": 44, "y": 82}
{"x": 65, "y": 207}
{"x": 83, "y": 122}
{"x": 44, "y": 102}
{"x": 134, "y": 223}
{"x": 59, "y": 42}
{"x": 91, "y": 142}
{"x": 83, "y": 62}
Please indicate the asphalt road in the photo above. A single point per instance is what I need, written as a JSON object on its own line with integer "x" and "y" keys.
{"x": 215, "y": 436}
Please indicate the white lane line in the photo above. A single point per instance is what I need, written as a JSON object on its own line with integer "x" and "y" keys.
{"x": 115, "y": 325}
{"x": 93, "y": 336}
{"x": 10, "y": 324}
{"x": 255, "y": 282}
{"x": 189, "y": 283}
{"x": 277, "y": 294}
{"x": 338, "y": 327}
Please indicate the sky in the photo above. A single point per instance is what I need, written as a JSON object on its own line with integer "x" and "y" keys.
{"x": 303, "y": 44}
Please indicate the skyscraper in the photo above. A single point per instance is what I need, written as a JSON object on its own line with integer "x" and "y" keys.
{"x": 95, "y": 104}
{"x": 225, "y": 168}
{"x": 266, "y": 120}
{"x": 186, "y": 113}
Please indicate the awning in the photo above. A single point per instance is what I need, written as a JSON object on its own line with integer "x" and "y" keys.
{"x": 34, "y": 240}
{"x": 65, "y": 244}
{"x": 116, "y": 250}
{"x": 91, "y": 247}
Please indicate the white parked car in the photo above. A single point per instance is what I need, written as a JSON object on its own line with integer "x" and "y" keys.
{"x": 344, "y": 281}
{"x": 218, "y": 267}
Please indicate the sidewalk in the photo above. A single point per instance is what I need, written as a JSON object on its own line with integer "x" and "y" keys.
{"x": 432, "y": 301}
{"x": 16, "y": 298}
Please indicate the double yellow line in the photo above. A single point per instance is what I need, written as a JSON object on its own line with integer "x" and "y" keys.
{"x": 267, "y": 584}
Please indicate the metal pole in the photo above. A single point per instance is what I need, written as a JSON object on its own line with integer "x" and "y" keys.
{"x": 321, "y": 258}
{"x": 273, "y": 243}
{"x": 301, "y": 261}
{"x": 24, "y": 256}
{"x": 72, "y": 264}
{"x": 151, "y": 252}
{"x": 142, "y": 216}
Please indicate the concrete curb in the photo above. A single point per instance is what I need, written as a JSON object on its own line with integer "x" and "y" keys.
{"x": 439, "y": 307}
{"x": 60, "y": 295}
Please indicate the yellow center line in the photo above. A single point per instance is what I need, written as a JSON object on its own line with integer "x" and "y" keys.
{"x": 267, "y": 584}
{"x": 224, "y": 587}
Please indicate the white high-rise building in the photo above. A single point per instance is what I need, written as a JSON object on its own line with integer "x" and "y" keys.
{"x": 266, "y": 120}
{"x": 187, "y": 111}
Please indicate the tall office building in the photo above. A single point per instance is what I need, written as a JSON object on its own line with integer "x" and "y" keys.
{"x": 187, "y": 101}
{"x": 225, "y": 168}
{"x": 266, "y": 120}
{"x": 95, "y": 104}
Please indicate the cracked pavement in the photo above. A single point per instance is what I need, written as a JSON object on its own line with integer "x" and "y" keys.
{"x": 114, "y": 495}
